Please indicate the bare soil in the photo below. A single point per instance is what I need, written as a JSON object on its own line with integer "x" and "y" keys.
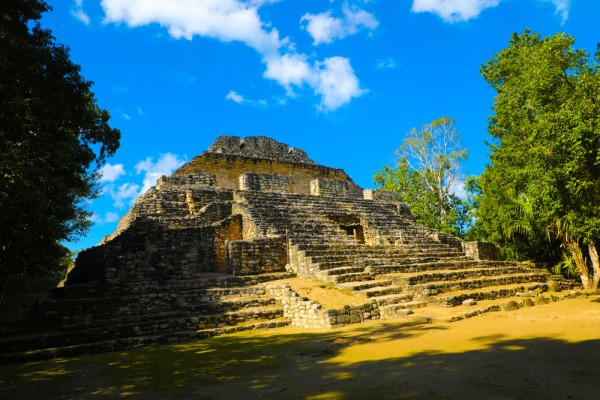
{"x": 544, "y": 352}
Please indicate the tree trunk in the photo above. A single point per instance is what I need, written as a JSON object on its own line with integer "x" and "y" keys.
{"x": 595, "y": 265}
{"x": 581, "y": 262}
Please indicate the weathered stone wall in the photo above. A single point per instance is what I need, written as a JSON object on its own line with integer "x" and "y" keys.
{"x": 249, "y": 228}
{"x": 265, "y": 183}
{"x": 303, "y": 312}
{"x": 149, "y": 251}
{"x": 197, "y": 179}
{"x": 256, "y": 256}
{"x": 335, "y": 188}
{"x": 229, "y": 229}
{"x": 228, "y": 169}
{"x": 306, "y": 313}
{"x": 353, "y": 314}
{"x": 385, "y": 196}
{"x": 173, "y": 204}
{"x": 299, "y": 262}
{"x": 482, "y": 250}
{"x": 382, "y": 195}
{"x": 259, "y": 147}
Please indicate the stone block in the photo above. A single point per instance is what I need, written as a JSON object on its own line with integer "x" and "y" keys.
{"x": 482, "y": 251}
{"x": 510, "y": 306}
{"x": 469, "y": 302}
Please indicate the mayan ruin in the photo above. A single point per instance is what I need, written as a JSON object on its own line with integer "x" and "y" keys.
{"x": 207, "y": 252}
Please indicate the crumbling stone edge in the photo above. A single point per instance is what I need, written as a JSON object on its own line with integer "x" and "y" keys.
{"x": 305, "y": 313}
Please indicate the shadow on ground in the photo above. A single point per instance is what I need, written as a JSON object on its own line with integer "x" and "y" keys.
{"x": 370, "y": 362}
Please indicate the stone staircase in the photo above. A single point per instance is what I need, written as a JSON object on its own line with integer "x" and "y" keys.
{"x": 401, "y": 265}
{"x": 92, "y": 318}
{"x": 408, "y": 277}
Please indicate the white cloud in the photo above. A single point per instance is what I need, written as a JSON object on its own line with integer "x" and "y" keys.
{"x": 464, "y": 10}
{"x": 237, "y": 20}
{"x": 111, "y": 217}
{"x": 561, "y": 8}
{"x": 110, "y": 173}
{"x": 288, "y": 70}
{"x": 165, "y": 165}
{"x": 78, "y": 12}
{"x": 324, "y": 28}
{"x": 240, "y": 99}
{"x": 337, "y": 83}
{"x": 95, "y": 218}
{"x": 453, "y": 10}
{"x": 333, "y": 79}
{"x": 235, "y": 97}
{"x": 386, "y": 63}
{"x": 124, "y": 194}
{"x": 225, "y": 20}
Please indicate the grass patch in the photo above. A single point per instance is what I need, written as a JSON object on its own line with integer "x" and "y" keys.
{"x": 324, "y": 293}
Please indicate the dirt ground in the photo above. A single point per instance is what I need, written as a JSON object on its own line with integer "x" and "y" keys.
{"x": 544, "y": 352}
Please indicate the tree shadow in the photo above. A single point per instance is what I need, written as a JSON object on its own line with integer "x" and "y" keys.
{"x": 317, "y": 365}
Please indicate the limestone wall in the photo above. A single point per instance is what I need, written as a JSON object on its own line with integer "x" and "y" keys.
{"x": 259, "y": 147}
{"x": 265, "y": 183}
{"x": 481, "y": 250}
{"x": 172, "y": 204}
{"x": 256, "y": 256}
{"x": 228, "y": 169}
{"x": 198, "y": 179}
{"x": 382, "y": 195}
{"x": 149, "y": 251}
{"x": 335, "y": 188}
{"x": 306, "y": 313}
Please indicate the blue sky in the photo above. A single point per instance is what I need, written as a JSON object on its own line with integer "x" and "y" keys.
{"x": 343, "y": 80}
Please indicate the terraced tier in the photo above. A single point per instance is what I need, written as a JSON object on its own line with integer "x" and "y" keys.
{"x": 407, "y": 277}
{"x": 119, "y": 317}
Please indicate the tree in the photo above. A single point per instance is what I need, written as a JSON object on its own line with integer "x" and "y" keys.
{"x": 53, "y": 138}
{"x": 546, "y": 149}
{"x": 427, "y": 172}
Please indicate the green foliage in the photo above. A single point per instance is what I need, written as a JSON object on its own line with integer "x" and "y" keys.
{"x": 426, "y": 170}
{"x": 567, "y": 266}
{"x": 53, "y": 136}
{"x": 542, "y": 186}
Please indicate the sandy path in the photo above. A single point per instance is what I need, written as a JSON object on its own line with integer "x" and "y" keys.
{"x": 543, "y": 352}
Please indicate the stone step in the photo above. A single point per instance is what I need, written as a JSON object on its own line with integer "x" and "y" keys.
{"x": 415, "y": 259}
{"x": 407, "y": 279}
{"x": 393, "y": 298}
{"x": 334, "y": 272}
{"x": 90, "y": 293}
{"x": 237, "y": 317}
{"x": 133, "y": 342}
{"x": 352, "y": 277}
{"x": 332, "y": 265}
{"x": 353, "y": 250}
{"x": 455, "y": 298}
{"x": 507, "y": 304}
{"x": 424, "y": 266}
{"x": 271, "y": 324}
{"x": 470, "y": 284}
{"x": 380, "y": 291}
{"x": 201, "y": 300}
{"x": 142, "y": 325}
{"x": 400, "y": 310}
{"x": 383, "y": 259}
{"x": 361, "y": 286}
